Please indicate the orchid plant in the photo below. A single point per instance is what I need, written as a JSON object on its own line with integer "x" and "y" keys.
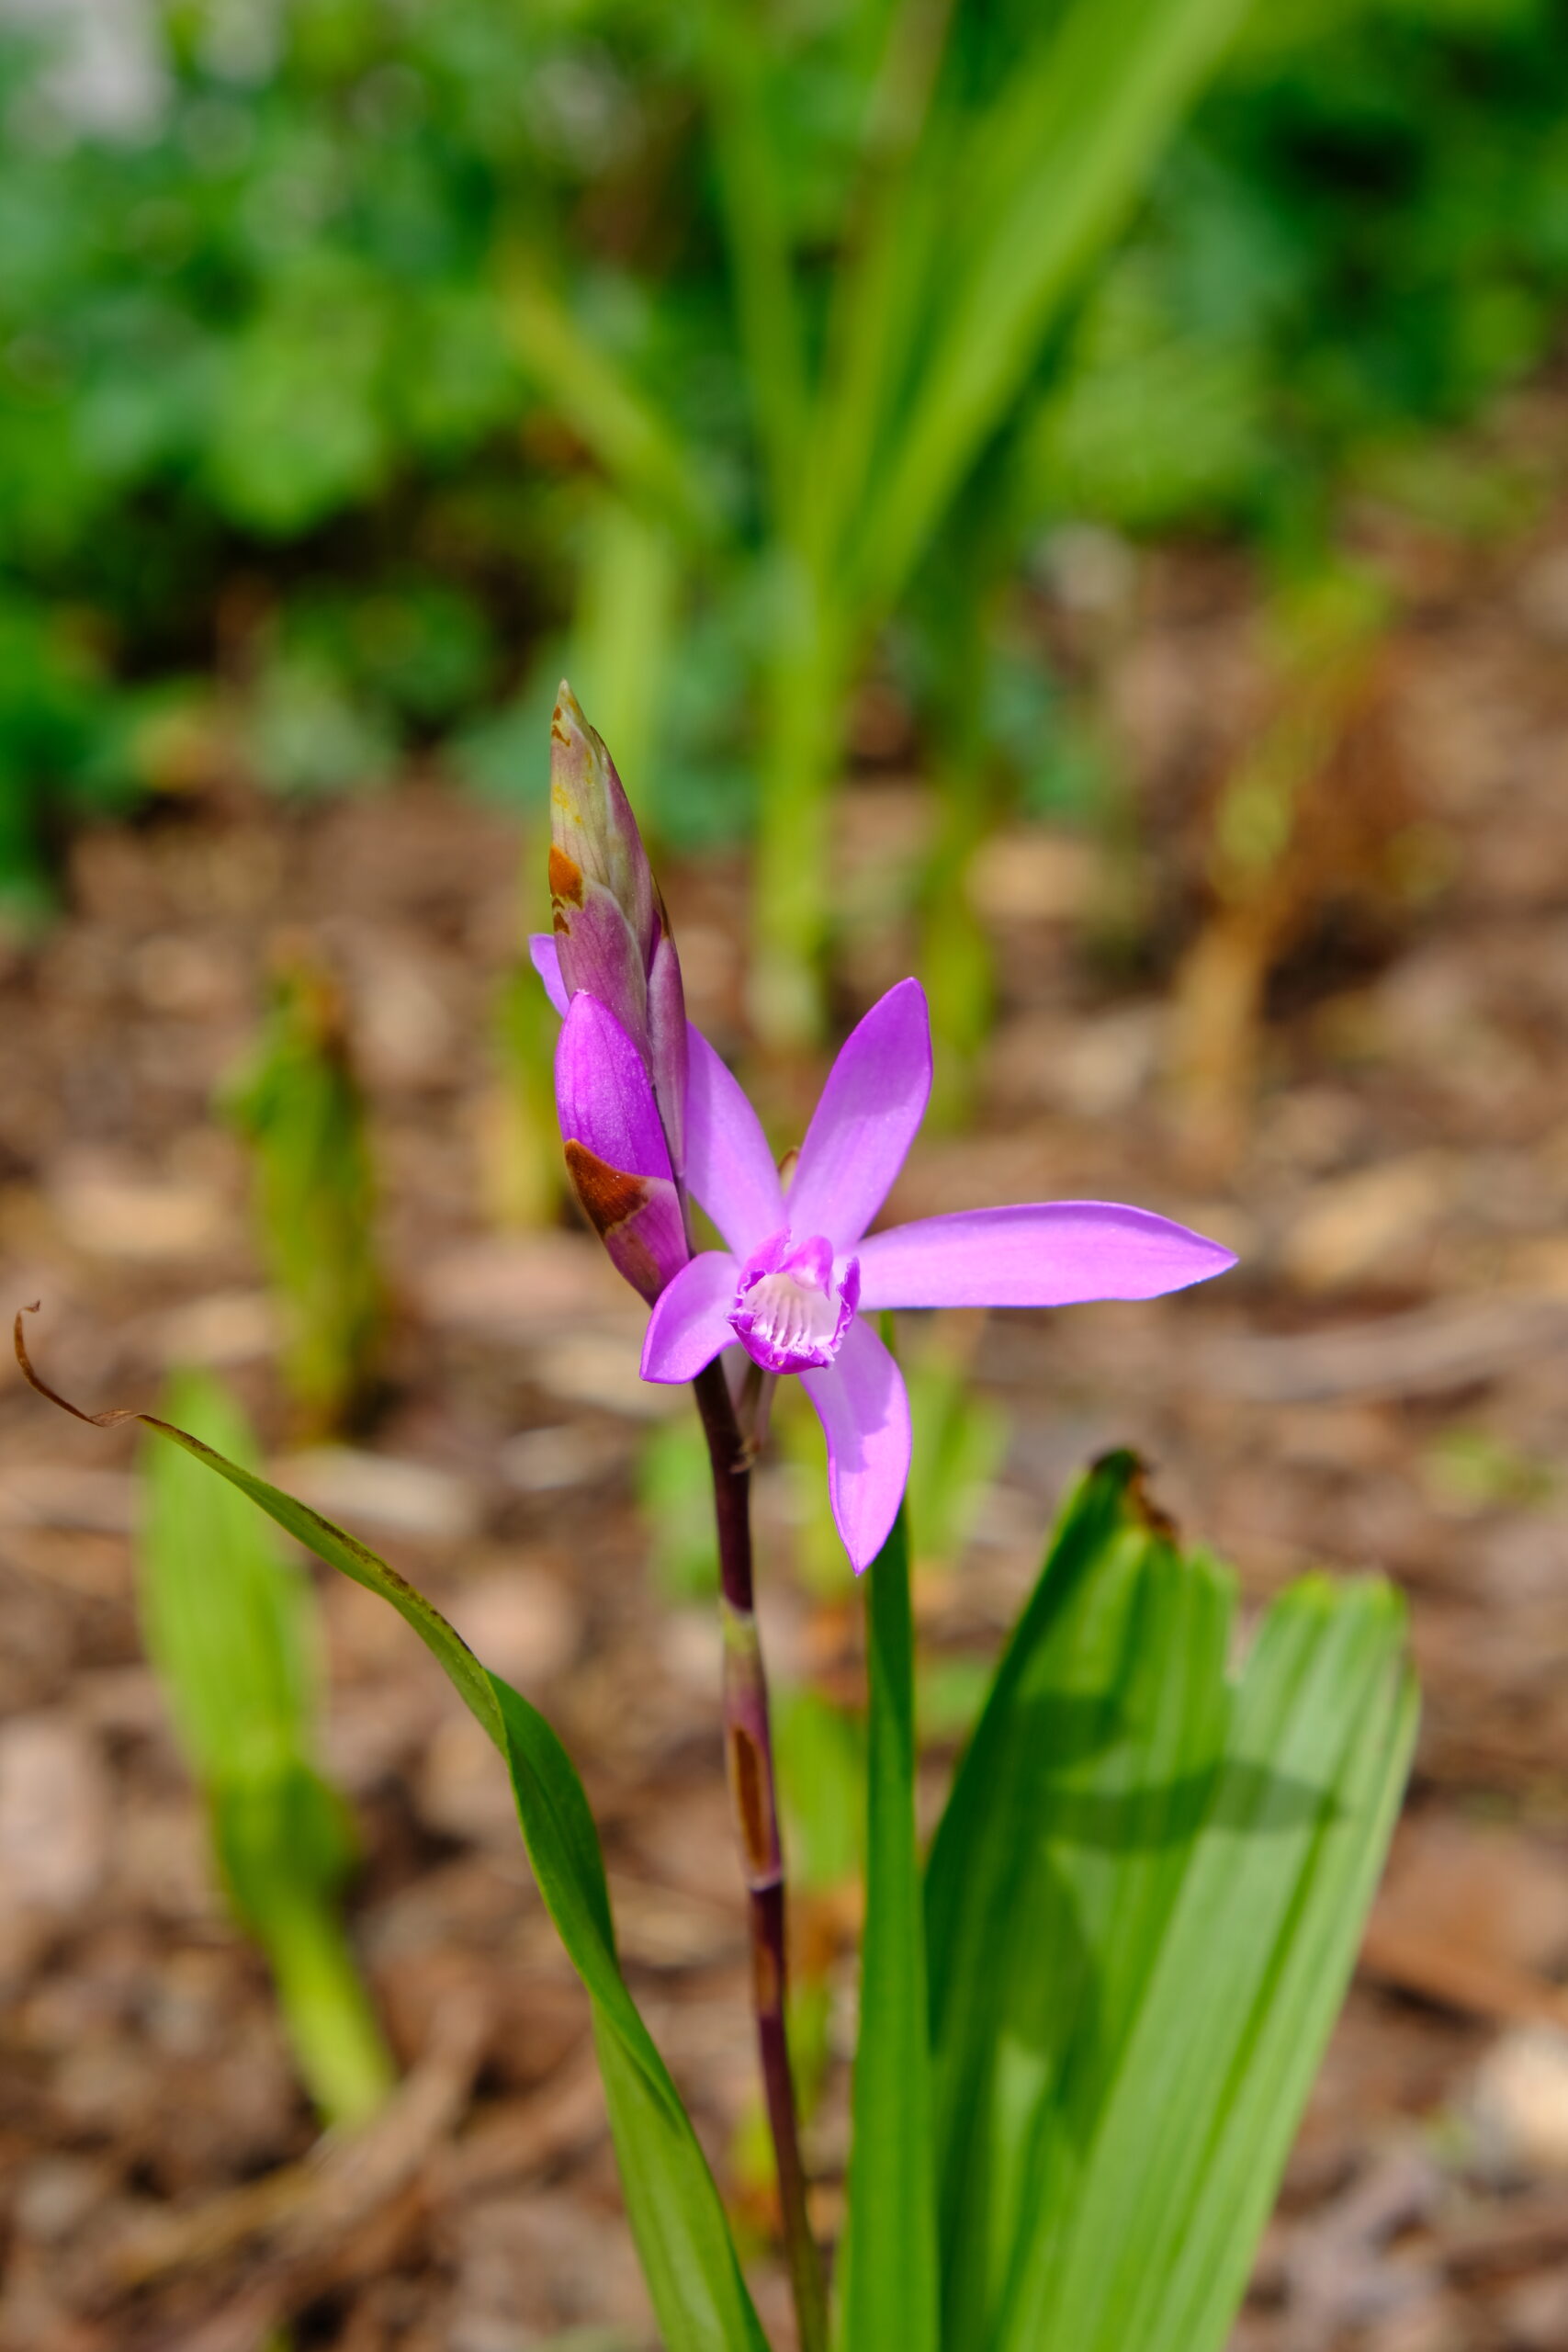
{"x": 1089, "y": 2022}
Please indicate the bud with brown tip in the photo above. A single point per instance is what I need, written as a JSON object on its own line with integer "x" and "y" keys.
{"x": 612, "y": 933}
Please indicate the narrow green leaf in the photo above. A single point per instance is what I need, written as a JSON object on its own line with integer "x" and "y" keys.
{"x": 677, "y": 2217}
{"x": 688, "y": 2257}
{"x": 1046, "y": 176}
{"x": 1143, "y": 1907}
{"x": 900, "y": 215}
{"x": 890, "y": 2290}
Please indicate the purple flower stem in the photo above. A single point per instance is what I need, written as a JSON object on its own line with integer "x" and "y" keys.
{"x": 749, "y": 1754}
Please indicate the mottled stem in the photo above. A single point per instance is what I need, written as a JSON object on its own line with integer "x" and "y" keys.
{"x": 750, "y": 1753}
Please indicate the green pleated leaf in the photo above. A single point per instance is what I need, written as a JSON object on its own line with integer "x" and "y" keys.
{"x": 1143, "y": 1908}
{"x": 683, "y": 2237}
{"x": 889, "y": 2293}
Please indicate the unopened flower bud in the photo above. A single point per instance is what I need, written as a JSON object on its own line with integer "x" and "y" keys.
{"x": 612, "y": 933}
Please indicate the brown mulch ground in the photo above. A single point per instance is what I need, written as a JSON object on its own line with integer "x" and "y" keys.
{"x": 1385, "y": 1382}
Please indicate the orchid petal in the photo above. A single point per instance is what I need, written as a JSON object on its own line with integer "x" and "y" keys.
{"x": 691, "y": 1323}
{"x": 604, "y": 1094}
{"x": 730, "y": 1169}
{"x": 864, "y": 1411}
{"x": 545, "y": 957}
{"x": 863, "y": 1127}
{"x": 1048, "y": 1254}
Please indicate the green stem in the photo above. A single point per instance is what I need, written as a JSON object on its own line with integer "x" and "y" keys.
{"x": 804, "y": 720}
{"x": 890, "y": 2284}
{"x": 343, "y": 2058}
{"x": 955, "y": 955}
{"x": 627, "y": 590}
{"x": 749, "y": 1750}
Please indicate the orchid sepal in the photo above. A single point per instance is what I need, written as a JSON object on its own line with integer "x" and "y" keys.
{"x": 615, "y": 1150}
{"x": 639, "y": 1218}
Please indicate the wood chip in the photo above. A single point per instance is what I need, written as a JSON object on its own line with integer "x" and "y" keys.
{"x": 1424, "y": 1354}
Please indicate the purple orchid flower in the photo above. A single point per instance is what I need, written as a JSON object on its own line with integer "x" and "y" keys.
{"x": 801, "y": 1272}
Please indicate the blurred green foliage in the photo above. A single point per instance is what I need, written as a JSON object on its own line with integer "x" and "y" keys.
{"x": 1471, "y": 1469}
{"x": 962, "y": 1443}
{"x": 304, "y": 450}
{"x": 820, "y": 1752}
{"x": 298, "y": 1105}
{"x": 230, "y": 1626}
{"x": 674, "y": 1483}
{"x": 1362, "y": 236}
